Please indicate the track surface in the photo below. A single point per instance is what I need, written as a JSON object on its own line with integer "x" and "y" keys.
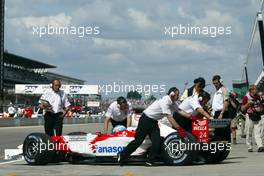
{"x": 239, "y": 162}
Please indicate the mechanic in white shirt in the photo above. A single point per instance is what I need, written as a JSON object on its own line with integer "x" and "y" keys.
{"x": 148, "y": 125}
{"x": 119, "y": 113}
{"x": 56, "y": 104}
{"x": 11, "y": 110}
{"x": 220, "y": 107}
{"x": 193, "y": 105}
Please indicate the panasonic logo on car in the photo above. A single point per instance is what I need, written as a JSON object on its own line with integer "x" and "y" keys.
{"x": 109, "y": 149}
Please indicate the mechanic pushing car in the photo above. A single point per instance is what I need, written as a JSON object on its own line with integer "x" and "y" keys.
{"x": 193, "y": 105}
{"x": 148, "y": 125}
{"x": 119, "y": 113}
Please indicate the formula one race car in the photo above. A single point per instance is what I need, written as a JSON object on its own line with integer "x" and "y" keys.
{"x": 40, "y": 149}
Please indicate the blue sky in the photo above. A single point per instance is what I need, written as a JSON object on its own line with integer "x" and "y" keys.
{"x": 131, "y": 46}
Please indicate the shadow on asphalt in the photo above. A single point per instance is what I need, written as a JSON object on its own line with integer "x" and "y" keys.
{"x": 132, "y": 164}
{"x": 237, "y": 157}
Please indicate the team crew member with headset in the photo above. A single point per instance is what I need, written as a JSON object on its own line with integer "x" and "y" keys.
{"x": 55, "y": 103}
{"x": 220, "y": 107}
{"x": 148, "y": 125}
{"x": 199, "y": 85}
{"x": 193, "y": 105}
{"x": 118, "y": 113}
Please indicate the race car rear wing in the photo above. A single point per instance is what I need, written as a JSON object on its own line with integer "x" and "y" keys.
{"x": 219, "y": 123}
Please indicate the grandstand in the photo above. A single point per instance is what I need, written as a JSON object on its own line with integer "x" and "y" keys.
{"x": 21, "y": 70}
{"x": 64, "y": 79}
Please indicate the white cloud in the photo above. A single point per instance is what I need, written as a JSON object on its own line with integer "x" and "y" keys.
{"x": 58, "y": 20}
{"x": 45, "y": 49}
{"x": 100, "y": 12}
{"x": 111, "y": 43}
{"x": 116, "y": 56}
{"x": 140, "y": 19}
{"x": 215, "y": 17}
{"x": 132, "y": 33}
{"x": 157, "y": 46}
{"x": 185, "y": 15}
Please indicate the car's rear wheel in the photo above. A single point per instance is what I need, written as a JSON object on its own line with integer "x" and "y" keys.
{"x": 215, "y": 156}
{"x": 36, "y": 149}
{"x": 176, "y": 151}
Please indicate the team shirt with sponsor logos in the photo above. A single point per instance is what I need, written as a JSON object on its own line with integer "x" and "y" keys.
{"x": 58, "y": 100}
{"x": 160, "y": 108}
{"x": 116, "y": 114}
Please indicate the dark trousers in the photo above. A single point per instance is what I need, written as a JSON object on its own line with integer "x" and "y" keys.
{"x": 223, "y": 133}
{"x": 146, "y": 126}
{"x": 53, "y": 123}
{"x": 184, "y": 122}
{"x": 115, "y": 123}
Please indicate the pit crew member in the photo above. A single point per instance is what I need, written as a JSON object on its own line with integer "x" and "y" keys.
{"x": 148, "y": 125}
{"x": 118, "y": 113}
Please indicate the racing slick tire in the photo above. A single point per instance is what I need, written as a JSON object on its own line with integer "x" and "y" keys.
{"x": 173, "y": 154}
{"x": 36, "y": 150}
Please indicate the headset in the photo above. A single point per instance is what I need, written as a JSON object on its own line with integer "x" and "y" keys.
{"x": 52, "y": 82}
{"x": 217, "y": 77}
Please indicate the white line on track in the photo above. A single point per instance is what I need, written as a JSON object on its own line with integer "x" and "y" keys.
{"x": 3, "y": 128}
{"x": 8, "y": 162}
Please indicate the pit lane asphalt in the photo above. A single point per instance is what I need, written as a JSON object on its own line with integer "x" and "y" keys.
{"x": 239, "y": 162}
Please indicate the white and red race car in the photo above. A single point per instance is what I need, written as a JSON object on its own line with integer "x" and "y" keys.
{"x": 40, "y": 149}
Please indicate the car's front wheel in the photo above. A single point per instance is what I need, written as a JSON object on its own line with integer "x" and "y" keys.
{"x": 36, "y": 149}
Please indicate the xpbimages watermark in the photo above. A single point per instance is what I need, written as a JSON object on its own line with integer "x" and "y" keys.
{"x": 146, "y": 89}
{"x": 213, "y": 147}
{"x": 188, "y": 30}
{"x": 79, "y": 31}
{"x": 172, "y": 147}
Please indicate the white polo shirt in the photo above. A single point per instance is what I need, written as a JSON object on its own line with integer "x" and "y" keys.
{"x": 116, "y": 114}
{"x": 58, "y": 100}
{"x": 11, "y": 110}
{"x": 220, "y": 96}
{"x": 190, "y": 104}
{"x": 160, "y": 108}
